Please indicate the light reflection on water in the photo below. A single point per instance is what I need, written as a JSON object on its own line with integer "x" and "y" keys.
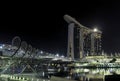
{"x": 97, "y": 74}
{"x": 86, "y": 74}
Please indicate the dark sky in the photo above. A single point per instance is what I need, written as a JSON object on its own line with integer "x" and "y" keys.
{"x": 43, "y": 26}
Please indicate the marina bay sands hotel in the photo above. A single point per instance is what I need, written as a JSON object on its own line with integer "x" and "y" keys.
{"x": 82, "y": 41}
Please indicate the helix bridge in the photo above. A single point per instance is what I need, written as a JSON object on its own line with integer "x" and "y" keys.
{"x": 21, "y": 61}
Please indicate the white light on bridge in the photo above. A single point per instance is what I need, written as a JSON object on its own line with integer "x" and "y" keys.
{"x": 57, "y": 55}
{"x": 41, "y": 52}
{"x": 1, "y": 47}
{"x": 95, "y": 30}
{"x": 62, "y": 56}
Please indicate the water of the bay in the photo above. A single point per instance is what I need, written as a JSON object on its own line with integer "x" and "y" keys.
{"x": 87, "y": 74}
{"x": 96, "y": 74}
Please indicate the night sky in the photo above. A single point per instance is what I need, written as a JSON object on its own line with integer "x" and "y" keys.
{"x": 43, "y": 26}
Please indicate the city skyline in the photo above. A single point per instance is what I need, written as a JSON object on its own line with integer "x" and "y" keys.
{"x": 47, "y": 30}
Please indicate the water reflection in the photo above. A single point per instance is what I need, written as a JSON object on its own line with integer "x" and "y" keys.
{"x": 89, "y": 74}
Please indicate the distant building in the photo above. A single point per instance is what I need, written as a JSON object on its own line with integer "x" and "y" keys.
{"x": 82, "y": 41}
